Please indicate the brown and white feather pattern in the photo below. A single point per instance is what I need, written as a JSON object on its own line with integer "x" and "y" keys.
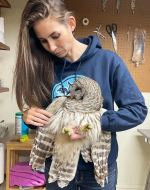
{"x": 44, "y": 141}
{"x": 83, "y": 108}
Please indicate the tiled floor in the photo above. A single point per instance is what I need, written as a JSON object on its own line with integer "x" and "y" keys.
{"x": 3, "y": 186}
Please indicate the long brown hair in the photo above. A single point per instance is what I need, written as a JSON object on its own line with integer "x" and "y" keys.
{"x": 34, "y": 72}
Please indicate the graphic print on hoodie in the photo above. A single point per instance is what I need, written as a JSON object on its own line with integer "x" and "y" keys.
{"x": 60, "y": 90}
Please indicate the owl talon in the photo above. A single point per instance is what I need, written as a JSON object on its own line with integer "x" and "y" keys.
{"x": 67, "y": 130}
{"x": 87, "y": 127}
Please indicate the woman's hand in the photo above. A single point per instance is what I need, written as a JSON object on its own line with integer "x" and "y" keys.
{"x": 75, "y": 135}
{"x": 36, "y": 116}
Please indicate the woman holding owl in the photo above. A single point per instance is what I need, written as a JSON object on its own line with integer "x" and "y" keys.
{"x": 50, "y": 59}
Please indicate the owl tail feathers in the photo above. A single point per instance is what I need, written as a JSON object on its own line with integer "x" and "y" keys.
{"x": 42, "y": 148}
{"x": 63, "y": 173}
{"x": 100, "y": 152}
{"x": 86, "y": 154}
{"x": 61, "y": 183}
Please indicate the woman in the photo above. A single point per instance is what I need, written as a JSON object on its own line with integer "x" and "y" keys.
{"x": 50, "y": 59}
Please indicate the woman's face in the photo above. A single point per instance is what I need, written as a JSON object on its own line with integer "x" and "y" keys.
{"x": 55, "y": 37}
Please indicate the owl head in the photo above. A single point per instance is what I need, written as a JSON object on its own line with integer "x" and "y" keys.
{"x": 88, "y": 92}
{"x": 78, "y": 90}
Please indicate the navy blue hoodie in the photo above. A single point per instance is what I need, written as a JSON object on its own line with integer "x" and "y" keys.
{"x": 116, "y": 83}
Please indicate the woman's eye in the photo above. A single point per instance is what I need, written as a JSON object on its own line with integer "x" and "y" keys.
{"x": 43, "y": 41}
{"x": 56, "y": 37}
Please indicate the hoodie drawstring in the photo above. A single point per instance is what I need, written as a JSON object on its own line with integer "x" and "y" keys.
{"x": 61, "y": 77}
{"x": 77, "y": 70}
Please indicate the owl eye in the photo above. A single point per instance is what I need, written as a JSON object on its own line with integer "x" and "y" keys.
{"x": 77, "y": 89}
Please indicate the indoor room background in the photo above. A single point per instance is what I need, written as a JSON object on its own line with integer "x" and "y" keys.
{"x": 134, "y": 153}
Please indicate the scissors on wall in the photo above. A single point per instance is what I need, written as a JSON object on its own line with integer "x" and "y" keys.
{"x": 112, "y": 31}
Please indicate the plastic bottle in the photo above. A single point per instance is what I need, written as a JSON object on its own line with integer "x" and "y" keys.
{"x": 20, "y": 127}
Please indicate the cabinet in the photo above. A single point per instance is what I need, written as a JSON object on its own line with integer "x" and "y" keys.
{"x": 5, "y": 4}
{"x": 13, "y": 158}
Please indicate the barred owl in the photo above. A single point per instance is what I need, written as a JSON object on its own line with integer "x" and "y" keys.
{"x": 82, "y": 109}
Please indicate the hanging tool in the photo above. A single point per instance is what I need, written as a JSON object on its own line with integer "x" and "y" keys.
{"x": 118, "y": 5}
{"x": 128, "y": 34}
{"x": 112, "y": 31}
{"x": 133, "y": 5}
{"x": 104, "y": 4}
{"x": 98, "y": 33}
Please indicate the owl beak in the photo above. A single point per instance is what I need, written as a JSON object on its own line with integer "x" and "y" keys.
{"x": 71, "y": 96}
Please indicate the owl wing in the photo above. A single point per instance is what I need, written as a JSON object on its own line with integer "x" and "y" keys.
{"x": 44, "y": 139}
{"x": 42, "y": 148}
{"x": 99, "y": 153}
{"x": 55, "y": 105}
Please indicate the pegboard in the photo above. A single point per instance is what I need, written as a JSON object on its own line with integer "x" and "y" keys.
{"x": 92, "y": 9}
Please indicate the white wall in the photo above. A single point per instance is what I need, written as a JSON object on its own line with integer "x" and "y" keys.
{"x": 8, "y": 106}
{"x": 134, "y": 153}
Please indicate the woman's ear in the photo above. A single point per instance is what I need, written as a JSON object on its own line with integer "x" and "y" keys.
{"x": 72, "y": 23}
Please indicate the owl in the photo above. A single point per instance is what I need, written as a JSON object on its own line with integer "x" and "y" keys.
{"x": 81, "y": 109}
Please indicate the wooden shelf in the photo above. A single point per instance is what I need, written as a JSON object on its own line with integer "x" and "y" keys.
{"x": 4, "y": 90}
{"x": 35, "y": 188}
{"x": 17, "y": 145}
{"x": 4, "y": 47}
{"x": 5, "y": 3}
{"x": 13, "y": 148}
